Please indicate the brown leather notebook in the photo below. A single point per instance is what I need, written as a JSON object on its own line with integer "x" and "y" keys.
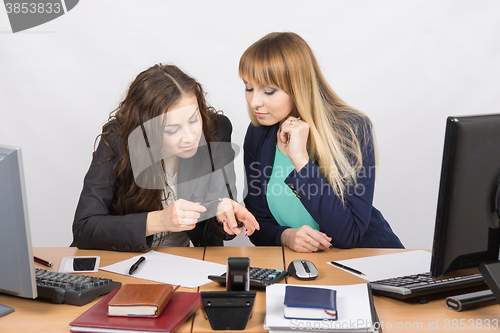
{"x": 140, "y": 300}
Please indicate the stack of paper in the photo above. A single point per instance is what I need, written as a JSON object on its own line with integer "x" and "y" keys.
{"x": 354, "y": 305}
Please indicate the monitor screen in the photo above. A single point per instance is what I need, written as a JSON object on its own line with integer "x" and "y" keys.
{"x": 467, "y": 218}
{"x": 17, "y": 275}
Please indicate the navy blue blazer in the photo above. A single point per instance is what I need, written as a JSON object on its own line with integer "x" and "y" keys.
{"x": 354, "y": 223}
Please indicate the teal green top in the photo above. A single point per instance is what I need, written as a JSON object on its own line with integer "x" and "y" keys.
{"x": 283, "y": 203}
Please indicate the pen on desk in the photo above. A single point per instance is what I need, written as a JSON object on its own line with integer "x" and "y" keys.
{"x": 355, "y": 271}
{"x": 42, "y": 261}
{"x": 134, "y": 267}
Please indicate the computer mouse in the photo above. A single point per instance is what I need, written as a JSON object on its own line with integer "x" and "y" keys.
{"x": 302, "y": 269}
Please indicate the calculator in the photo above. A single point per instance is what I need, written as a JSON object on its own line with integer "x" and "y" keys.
{"x": 259, "y": 277}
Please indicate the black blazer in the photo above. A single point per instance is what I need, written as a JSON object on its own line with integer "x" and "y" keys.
{"x": 98, "y": 225}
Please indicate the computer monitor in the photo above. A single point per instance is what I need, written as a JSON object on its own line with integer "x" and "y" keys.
{"x": 17, "y": 275}
{"x": 467, "y": 219}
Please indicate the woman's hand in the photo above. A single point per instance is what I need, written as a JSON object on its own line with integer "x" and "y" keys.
{"x": 305, "y": 239}
{"x": 293, "y": 134}
{"x": 229, "y": 212}
{"x": 180, "y": 215}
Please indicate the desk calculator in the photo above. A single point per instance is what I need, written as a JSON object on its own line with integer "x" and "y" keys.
{"x": 259, "y": 277}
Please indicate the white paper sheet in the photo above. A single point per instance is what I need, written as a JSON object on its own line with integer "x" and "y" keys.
{"x": 389, "y": 265}
{"x": 353, "y": 308}
{"x": 167, "y": 268}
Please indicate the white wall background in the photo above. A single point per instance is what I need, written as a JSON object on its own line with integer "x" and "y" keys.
{"x": 407, "y": 64}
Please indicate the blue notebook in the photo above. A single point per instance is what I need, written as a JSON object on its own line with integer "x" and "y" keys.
{"x": 310, "y": 303}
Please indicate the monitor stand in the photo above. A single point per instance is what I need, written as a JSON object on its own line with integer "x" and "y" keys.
{"x": 5, "y": 310}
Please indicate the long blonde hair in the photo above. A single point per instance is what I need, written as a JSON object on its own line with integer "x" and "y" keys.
{"x": 337, "y": 132}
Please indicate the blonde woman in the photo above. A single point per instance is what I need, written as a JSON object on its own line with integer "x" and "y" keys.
{"x": 310, "y": 159}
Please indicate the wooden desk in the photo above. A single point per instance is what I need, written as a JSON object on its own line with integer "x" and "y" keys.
{"x": 395, "y": 315}
{"x": 43, "y": 316}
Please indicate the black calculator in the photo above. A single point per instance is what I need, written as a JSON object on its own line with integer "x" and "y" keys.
{"x": 259, "y": 277}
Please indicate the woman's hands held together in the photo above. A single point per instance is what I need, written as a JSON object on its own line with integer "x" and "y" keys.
{"x": 229, "y": 212}
{"x": 305, "y": 239}
{"x": 180, "y": 215}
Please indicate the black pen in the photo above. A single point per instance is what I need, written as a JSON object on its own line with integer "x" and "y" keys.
{"x": 134, "y": 267}
{"x": 355, "y": 271}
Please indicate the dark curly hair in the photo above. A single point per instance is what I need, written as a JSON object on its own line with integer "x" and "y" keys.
{"x": 150, "y": 95}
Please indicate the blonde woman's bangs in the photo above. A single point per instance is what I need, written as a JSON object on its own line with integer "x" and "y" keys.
{"x": 265, "y": 66}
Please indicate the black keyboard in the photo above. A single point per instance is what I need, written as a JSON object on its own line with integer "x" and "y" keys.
{"x": 259, "y": 277}
{"x": 72, "y": 289}
{"x": 404, "y": 287}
